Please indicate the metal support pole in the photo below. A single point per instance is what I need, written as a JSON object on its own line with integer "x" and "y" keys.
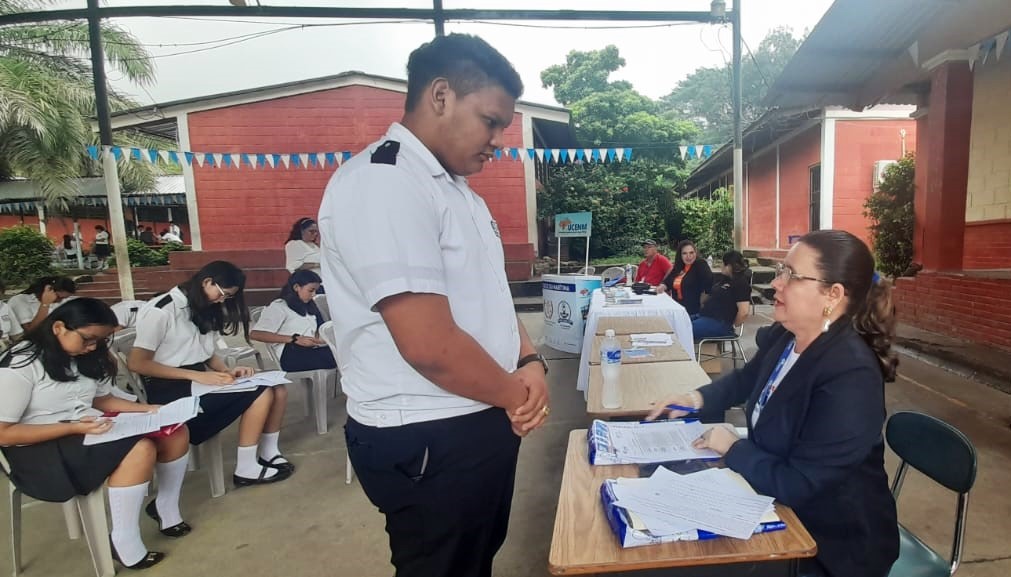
{"x": 109, "y": 168}
{"x": 440, "y": 18}
{"x": 738, "y": 134}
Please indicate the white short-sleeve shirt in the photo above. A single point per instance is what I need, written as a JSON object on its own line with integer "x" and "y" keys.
{"x": 278, "y": 318}
{"x": 101, "y": 237}
{"x": 126, "y": 312}
{"x": 29, "y": 396}
{"x": 299, "y": 252}
{"x": 9, "y": 326}
{"x": 164, "y": 326}
{"x": 404, "y": 224}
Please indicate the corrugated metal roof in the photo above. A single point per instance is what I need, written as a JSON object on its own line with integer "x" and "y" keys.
{"x": 90, "y": 187}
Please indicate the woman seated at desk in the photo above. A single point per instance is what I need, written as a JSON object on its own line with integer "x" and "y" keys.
{"x": 689, "y": 278}
{"x": 289, "y": 325}
{"x": 52, "y": 386}
{"x": 816, "y": 404}
{"x": 728, "y": 301}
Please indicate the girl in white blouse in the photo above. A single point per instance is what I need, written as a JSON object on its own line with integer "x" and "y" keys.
{"x": 175, "y": 346}
{"x": 54, "y": 387}
{"x": 290, "y": 324}
{"x": 301, "y": 252}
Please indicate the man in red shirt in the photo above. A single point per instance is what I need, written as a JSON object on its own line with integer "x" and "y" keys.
{"x": 655, "y": 267}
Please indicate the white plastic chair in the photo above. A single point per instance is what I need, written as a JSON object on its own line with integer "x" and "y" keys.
{"x": 329, "y": 334}
{"x": 324, "y": 308}
{"x": 317, "y": 382}
{"x": 612, "y": 273}
{"x": 735, "y": 347}
{"x": 83, "y": 513}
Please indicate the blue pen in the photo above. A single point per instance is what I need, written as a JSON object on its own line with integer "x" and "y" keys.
{"x": 681, "y": 408}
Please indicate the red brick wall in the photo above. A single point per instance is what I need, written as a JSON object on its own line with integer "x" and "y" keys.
{"x": 987, "y": 245}
{"x": 796, "y": 158}
{"x": 761, "y": 208}
{"x": 56, "y": 227}
{"x": 247, "y": 209}
{"x": 974, "y": 309}
{"x": 859, "y": 144}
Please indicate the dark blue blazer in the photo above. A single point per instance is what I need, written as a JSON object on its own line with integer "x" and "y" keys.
{"x": 817, "y": 446}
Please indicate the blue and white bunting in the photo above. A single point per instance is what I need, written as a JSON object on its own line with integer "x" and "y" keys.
{"x": 696, "y": 151}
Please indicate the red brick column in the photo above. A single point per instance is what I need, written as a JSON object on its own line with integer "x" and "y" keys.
{"x": 941, "y": 202}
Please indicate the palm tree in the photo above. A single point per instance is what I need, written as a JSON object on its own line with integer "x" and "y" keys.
{"x": 47, "y": 102}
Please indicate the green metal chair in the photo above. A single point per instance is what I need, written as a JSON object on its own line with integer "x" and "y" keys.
{"x": 944, "y": 454}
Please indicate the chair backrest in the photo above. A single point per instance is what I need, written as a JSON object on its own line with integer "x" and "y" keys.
{"x": 324, "y": 309}
{"x": 254, "y": 317}
{"x": 120, "y": 348}
{"x": 612, "y": 273}
{"x": 587, "y": 270}
{"x": 635, "y": 272}
{"x": 328, "y": 332}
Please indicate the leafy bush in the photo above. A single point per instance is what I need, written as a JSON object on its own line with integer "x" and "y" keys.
{"x": 142, "y": 255}
{"x": 709, "y": 223}
{"x": 890, "y": 210}
{"x": 25, "y": 254}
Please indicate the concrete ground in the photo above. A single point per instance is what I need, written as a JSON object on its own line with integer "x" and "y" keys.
{"x": 315, "y": 525}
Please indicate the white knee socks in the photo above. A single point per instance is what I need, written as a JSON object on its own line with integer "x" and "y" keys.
{"x": 246, "y": 465}
{"x": 170, "y": 483}
{"x": 268, "y": 447}
{"x": 124, "y": 505}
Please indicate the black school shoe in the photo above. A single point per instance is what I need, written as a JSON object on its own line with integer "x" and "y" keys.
{"x": 175, "y": 531}
{"x": 283, "y": 466}
{"x": 262, "y": 479}
{"x": 150, "y": 560}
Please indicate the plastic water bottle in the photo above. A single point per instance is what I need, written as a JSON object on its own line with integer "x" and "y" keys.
{"x": 628, "y": 275}
{"x": 709, "y": 261}
{"x": 610, "y": 366}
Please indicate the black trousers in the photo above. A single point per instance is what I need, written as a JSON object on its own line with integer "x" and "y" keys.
{"x": 445, "y": 487}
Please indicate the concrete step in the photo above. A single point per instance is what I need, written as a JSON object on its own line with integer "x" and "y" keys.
{"x": 526, "y": 288}
{"x": 762, "y": 274}
{"x": 527, "y": 304}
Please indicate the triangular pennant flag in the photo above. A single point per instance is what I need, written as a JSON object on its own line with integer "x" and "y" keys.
{"x": 973, "y": 55}
{"x": 610, "y": 155}
{"x": 236, "y": 159}
{"x": 988, "y": 47}
{"x": 93, "y": 152}
{"x": 571, "y": 154}
{"x": 164, "y": 154}
{"x": 707, "y": 150}
{"x": 286, "y": 160}
{"x": 117, "y": 152}
{"x": 498, "y": 154}
{"x": 248, "y": 161}
{"x": 217, "y": 156}
{"x": 189, "y": 158}
{"x": 339, "y": 157}
{"x": 556, "y": 153}
{"x": 684, "y": 151}
{"x": 514, "y": 153}
{"x": 201, "y": 159}
{"x": 135, "y": 154}
{"x": 619, "y": 154}
{"x": 580, "y": 155}
{"x": 595, "y": 156}
{"x": 628, "y": 154}
{"x": 587, "y": 154}
{"x": 152, "y": 156}
{"x": 316, "y": 159}
{"x": 540, "y": 153}
{"x": 914, "y": 52}
{"x": 331, "y": 159}
{"x": 273, "y": 159}
{"x": 346, "y": 155}
{"x": 698, "y": 151}
{"x": 303, "y": 160}
{"x": 261, "y": 160}
{"x": 1001, "y": 43}
{"x": 226, "y": 160}
{"x": 531, "y": 153}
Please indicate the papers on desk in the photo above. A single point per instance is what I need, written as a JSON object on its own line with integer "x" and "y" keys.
{"x": 668, "y": 507}
{"x": 651, "y": 340}
{"x": 126, "y": 425}
{"x": 615, "y": 443}
{"x": 262, "y": 379}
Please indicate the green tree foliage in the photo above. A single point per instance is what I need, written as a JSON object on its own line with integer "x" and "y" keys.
{"x": 890, "y": 209}
{"x": 704, "y": 97}
{"x": 47, "y": 102}
{"x": 709, "y": 223}
{"x": 25, "y": 254}
{"x": 142, "y": 255}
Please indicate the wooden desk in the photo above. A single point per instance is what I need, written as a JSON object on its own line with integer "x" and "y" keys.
{"x": 660, "y": 354}
{"x": 582, "y": 541}
{"x": 633, "y": 324}
{"x": 642, "y": 384}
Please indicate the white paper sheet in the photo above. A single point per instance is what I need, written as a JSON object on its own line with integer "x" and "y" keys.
{"x": 262, "y": 379}
{"x": 132, "y": 424}
{"x": 651, "y": 340}
{"x": 657, "y": 442}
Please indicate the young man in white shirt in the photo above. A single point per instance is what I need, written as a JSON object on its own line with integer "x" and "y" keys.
{"x": 441, "y": 378}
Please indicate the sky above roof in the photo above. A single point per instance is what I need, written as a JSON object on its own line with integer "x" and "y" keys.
{"x": 196, "y": 57}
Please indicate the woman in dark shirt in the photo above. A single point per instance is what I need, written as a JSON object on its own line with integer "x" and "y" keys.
{"x": 689, "y": 279}
{"x": 728, "y": 300}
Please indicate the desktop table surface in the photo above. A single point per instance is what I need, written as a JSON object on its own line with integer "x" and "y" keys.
{"x": 643, "y": 384}
{"x": 582, "y": 541}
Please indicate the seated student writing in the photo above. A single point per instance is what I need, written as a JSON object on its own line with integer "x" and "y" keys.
{"x": 290, "y": 324}
{"x": 53, "y": 386}
{"x": 175, "y": 344}
{"x": 815, "y": 394}
{"x": 31, "y": 306}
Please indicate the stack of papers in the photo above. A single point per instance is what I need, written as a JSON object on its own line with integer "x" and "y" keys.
{"x": 670, "y": 507}
{"x": 614, "y": 443}
{"x": 651, "y": 340}
{"x": 262, "y": 379}
{"x": 132, "y": 424}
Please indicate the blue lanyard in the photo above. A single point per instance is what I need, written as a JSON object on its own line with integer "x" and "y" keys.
{"x": 769, "y": 388}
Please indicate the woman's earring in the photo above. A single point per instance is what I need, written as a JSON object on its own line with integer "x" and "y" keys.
{"x": 826, "y": 312}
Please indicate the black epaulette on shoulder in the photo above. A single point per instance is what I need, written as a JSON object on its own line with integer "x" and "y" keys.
{"x": 386, "y": 153}
{"x": 165, "y": 300}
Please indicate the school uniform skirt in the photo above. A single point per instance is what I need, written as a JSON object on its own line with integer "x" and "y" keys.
{"x": 102, "y": 250}
{"x": 218, "y": 410}
{"x": 63, "y": 468}
{"x": 295, "y": 358}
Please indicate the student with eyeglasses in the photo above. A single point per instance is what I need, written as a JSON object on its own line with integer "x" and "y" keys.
{"x": 175, "y": 345}
{"x": 53, "y": 386}
{"x": 815, "y": 405}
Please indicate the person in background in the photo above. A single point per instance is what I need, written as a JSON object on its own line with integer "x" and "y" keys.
{"x": 10, "y": 329}
{"x": 301, "y": 251}
{"x": 147, "y": 236}
{"x": 654, "y": 267}
{"x": 175, "y": 346}
{"x": 441, "y": 377}
{"x": 70, "y": 247}
{"x": 101, "y": 246}
{"x": 126, "y": 313}
{"x": 175, "y": 230}
{"x": 815, "y": 394}
{"x": 289, "y": 325}
{"x": 168, "y": 236}
{"x": 689, "y": 278}
{"x": 46, "y": 293}
{"x": 728, "y": 302}
{"x": 54, "y": 386}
